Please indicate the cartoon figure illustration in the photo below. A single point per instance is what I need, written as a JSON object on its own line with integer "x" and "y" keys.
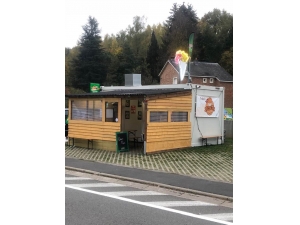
{"x": 209, "y": 106}
{"x": 95, "y": 88}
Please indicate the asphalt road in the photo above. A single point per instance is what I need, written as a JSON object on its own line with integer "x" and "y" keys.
{"x": 90, "y": 201}
{"x": 86, "y": 208}
{"x": 214, "y": 187}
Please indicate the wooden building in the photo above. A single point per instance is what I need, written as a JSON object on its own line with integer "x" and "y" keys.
{"x": 160, "y": 117}
{"x": 154, "y": 115}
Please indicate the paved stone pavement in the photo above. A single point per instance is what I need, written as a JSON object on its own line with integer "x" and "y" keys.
{"x": 216, "y": 166}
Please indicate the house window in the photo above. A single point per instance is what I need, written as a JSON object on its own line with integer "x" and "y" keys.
{"x": 158, "y": 116}
{"x": 174, "y": 80}
{"x": 211, "y": 80}
{"x": 86, "y": 110}
{"x": 204, "y": 80}
{"x": 179, "y": 117}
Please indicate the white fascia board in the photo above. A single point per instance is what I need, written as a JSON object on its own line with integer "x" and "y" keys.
{"x": 166, "y": 86}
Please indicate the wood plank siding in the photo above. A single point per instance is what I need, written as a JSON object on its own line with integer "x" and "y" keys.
{"x": 93, "y": 130}
{"x": 168, "y": 135}
{"x": 102, "y": 133}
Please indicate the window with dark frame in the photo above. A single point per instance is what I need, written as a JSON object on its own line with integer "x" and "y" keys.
{"x": 158, "y": 116}
{"x": 179, "y": 117}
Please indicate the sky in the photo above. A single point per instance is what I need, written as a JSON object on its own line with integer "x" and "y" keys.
{"x": 116, "y": 15}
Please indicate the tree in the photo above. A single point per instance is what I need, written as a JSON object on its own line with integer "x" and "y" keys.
{"x": 128, "y": 61}
{"x": 159, "y": 33}
{"x": 180, "y": 24}
{"x": 127, "y": 52}
{"x": 137, "y": 37}
{"x": 70, "y": 55}
{"x": 227, "y": 61}
{"x": 67, "y": 67}
{"x": 216, "y": 35}
{"x": 90, "y": 65}
{"x": 152, "y": 58}
{"x": 124, "y": 62}
{"x": 113, "y": 49}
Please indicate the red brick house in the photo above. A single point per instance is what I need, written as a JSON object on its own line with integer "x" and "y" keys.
{"x": 209, "y": 74}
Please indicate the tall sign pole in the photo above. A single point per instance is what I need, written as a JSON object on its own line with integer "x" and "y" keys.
{"x": 191, "y": 45}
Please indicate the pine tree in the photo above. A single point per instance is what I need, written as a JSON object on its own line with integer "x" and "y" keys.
{"x": 152, "y": 58}
{"x": 180, "y": 24}
{"x": 90, "y": 65}
{"x": 124, "y": 64}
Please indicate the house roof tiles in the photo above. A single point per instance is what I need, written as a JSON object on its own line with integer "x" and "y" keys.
{"x": 204, "y": 69}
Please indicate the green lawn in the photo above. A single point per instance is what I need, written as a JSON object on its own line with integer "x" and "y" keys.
{"x": 227, "y": 148}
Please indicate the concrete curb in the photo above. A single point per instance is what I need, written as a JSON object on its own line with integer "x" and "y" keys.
{"x": 151, "y": 183}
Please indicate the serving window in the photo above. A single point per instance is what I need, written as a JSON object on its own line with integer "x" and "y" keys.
{"x": 86, "y": 110}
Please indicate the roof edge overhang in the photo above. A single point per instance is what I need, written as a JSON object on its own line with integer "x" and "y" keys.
{"x": 115, "y": 94}
{"x": 166, "y": 66}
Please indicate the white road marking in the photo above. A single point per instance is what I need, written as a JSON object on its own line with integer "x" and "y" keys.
{"x": 180, "y": 203}
{"x": 133, "y": 193}
{"x": 97, "y": 185}
{"x": 77, "y": 178}
{"x": 150, "y": 205}
{"x": 220, "y": 216}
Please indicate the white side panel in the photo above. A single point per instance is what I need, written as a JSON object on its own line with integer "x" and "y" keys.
{"x": 206, "y": 126}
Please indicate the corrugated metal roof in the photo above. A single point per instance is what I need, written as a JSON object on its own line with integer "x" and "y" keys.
{"x": 129, "y": 92}
{"x": 205, "y": 69}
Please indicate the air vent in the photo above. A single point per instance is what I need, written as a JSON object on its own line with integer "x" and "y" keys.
{"x": 133, "y": 80}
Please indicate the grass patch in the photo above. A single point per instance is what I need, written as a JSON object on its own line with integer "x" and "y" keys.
{"x": 227, "y": 147}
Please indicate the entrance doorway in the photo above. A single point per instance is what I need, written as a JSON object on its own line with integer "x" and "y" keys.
{"x": 133, "y": 122}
